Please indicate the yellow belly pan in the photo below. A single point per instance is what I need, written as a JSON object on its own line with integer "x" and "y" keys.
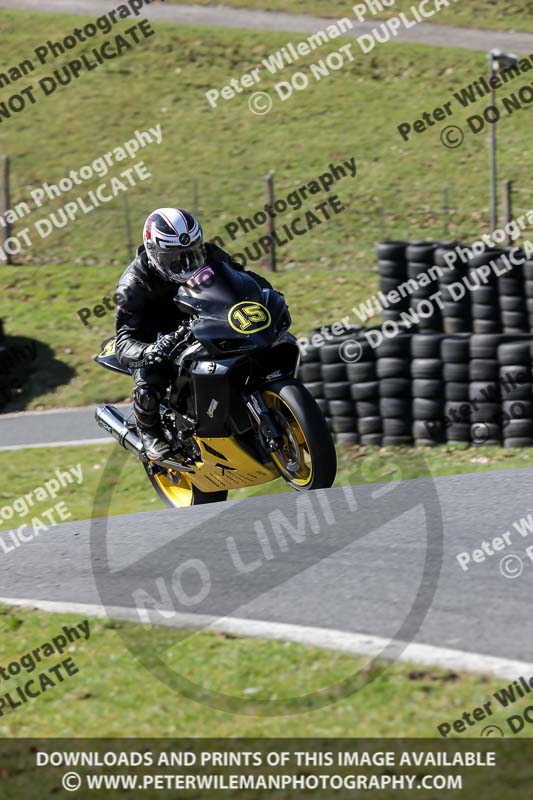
{"x": 226, "y": 465}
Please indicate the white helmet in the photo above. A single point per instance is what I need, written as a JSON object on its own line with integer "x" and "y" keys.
{"x": 173, "y": 241}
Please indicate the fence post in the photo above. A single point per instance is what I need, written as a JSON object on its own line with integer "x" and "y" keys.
{"x": 446, "y": 212}
{"x": 5, "y": 203}
{"x": 508, "y": 207}
{"x": 270, "y": 226}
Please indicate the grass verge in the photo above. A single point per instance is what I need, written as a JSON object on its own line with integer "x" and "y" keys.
{"x": 28, "y": 469}
{"x": 114, "y": 695}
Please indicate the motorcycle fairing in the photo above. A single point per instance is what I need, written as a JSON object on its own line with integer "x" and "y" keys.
{"x": 107, "y": 357}
{"x": 232, "y": 313}
{"x": 215, "y": 389}
{"x": 227, "y": 465}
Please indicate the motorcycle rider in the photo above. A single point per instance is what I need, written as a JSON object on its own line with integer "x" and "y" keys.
{"x": 150, "y": 329}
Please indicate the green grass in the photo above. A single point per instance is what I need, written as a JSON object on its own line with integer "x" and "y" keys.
{"x": 492, "y": 14}
{"x": 229, "y": 150}
{"x": 28, "y": 469}
{"x": 115, "y": 695}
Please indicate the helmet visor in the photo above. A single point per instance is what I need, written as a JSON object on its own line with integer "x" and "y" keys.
{"x": 173, "y": 262}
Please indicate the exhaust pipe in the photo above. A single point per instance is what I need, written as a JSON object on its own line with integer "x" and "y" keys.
{"x": 111, "y": 420}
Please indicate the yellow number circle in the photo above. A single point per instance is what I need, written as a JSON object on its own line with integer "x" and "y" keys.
{"x": 246, "y": 317}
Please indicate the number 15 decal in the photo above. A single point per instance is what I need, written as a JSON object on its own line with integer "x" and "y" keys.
{"x": 246, "y": 317}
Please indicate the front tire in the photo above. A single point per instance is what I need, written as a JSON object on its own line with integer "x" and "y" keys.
{"x": 307, "y": 459}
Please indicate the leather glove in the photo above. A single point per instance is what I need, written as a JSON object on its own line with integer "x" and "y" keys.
{"x": 167, "y": 346}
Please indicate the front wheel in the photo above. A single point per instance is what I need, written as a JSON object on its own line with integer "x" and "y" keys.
{"x": 177, "y": 491}
{"x": 306, "y": 458}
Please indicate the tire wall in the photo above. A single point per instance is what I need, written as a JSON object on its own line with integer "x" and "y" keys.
{"x": 462, "y": 375}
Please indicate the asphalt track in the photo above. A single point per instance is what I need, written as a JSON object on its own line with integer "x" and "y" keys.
{"x": 59, "y": 427}
{"x": 220, "y": 16}
{"x": 368, "y": 569}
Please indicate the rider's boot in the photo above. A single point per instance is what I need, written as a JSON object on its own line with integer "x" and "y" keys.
{"x": 146, "y": 410}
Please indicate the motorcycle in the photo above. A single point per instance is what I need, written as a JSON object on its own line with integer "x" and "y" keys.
{"x": 235, "y": 413}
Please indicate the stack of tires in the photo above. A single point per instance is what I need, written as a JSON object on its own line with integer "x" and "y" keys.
{"x": 484, "y": 298}
{"x": 341, "y": 416}
{"x": 420, "y": 259}
{"x": 466, "y": 389}
{"x": 455, "y": 357}
{"x": 456, "y": 316}
{"x": 427, "y": 389}
{"x": 472, "y": 296}
{"x": 512, "y": 302}
{"x": 324, "y": 372}
{"x": 310, "y": 373}
{"x": 514, "y": 360}
{"x": 484, "y": 390}
{"x": 393, "y": 370}
{"x": 365, "y": 392}
{"x": 392, "y": 268}
{"x": 528, "y": 291}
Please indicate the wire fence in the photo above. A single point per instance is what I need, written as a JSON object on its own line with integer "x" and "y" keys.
{"x": 304, "y": 224}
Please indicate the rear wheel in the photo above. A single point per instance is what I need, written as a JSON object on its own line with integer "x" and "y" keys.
{"x": 307, "y": 458}
{"x": 176, "y": 490}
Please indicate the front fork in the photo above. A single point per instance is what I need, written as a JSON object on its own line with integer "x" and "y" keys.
{"x": 267, "y": 425}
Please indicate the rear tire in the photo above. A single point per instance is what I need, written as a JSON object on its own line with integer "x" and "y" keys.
{"x": 182, "y": 494}
{"x": 316, "y": 460}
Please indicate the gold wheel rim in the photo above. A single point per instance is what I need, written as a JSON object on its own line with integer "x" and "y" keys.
{"x": 180, "y": 494}
{"x": 304, "y": 474}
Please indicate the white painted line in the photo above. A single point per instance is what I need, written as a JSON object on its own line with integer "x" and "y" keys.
{"x": 66, "y": 410}
{"x": 71, "y": 443}
{"x": 341, "y": 641}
